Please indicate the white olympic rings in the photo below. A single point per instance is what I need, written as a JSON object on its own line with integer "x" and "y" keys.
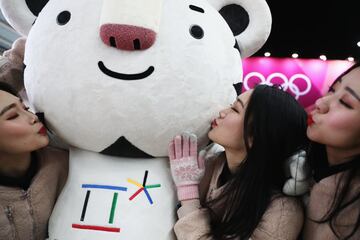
{"x": 287, "y": 83}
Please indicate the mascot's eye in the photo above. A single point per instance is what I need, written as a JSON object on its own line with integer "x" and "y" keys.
{"x": 196, "y": 31}
{"x": 63, "y": 17}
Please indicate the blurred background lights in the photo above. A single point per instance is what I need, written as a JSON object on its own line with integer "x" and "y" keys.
{"x": 294, "y": 55}
{"x": 267, "y": 54}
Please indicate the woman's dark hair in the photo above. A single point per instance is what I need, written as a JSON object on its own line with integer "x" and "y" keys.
{"x": 318, "y": 160}
{"x": 8, "y": 88}
{"x": 274, "y": 128}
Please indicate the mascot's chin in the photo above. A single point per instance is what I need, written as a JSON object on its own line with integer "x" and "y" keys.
{"x": 117, "y": 80}
{"x": 123, "y": 148}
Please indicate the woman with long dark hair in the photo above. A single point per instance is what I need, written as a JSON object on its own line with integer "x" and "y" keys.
{"x": 333, "y": 211}
{"x": 31, "y": 173}
{"x": 242, "y": 187}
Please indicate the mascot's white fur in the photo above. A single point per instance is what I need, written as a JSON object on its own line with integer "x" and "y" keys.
{"x": 116, "y": 81}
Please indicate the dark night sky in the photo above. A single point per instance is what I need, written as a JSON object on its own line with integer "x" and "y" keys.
{"x": 314, "y": 27}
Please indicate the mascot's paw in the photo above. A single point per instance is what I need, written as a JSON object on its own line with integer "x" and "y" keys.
{"x": 211, "y": 151}
{"x": 298, "y": 172}
{"x": 16, "y": 53}
{"x": 296, "y": 188}
{"x": 11, "y": 65}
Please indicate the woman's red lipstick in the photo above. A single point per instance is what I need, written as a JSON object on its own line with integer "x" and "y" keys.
{"x": 42, "y": 131}
{"x": 310, "y": 120}
{"x": 213, "y": 124}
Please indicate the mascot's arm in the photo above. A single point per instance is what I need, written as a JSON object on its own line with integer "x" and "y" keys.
{"x": 12, "y": 66}
{"x": 298, "y": 172}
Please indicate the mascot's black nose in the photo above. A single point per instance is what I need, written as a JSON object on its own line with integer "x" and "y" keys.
{"x": 123, "y": 148}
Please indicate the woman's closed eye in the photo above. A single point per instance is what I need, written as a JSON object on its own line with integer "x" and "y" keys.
{"x": 13, "y": 113}
{"x": 235, "y": 110}
{"x": 12, "y": 116}
{"x": 345, "y": 104}
{"x": 232, "y": 106}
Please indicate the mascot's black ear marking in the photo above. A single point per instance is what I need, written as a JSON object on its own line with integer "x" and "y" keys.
{"x": 236, "y": 46}
{"x": 35, "y": 6}
{"x": 238, "y": 88}
{"x": 236, "y": 17}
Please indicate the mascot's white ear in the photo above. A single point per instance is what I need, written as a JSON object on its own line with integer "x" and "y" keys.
{"x": 249, "y": 20}
{"x": 21, "y": 14}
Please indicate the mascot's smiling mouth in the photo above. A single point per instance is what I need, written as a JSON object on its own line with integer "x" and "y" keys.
{"x": 124, "y": 76}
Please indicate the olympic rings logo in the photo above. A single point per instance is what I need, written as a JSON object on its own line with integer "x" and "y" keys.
{"x": 287, "y": 83}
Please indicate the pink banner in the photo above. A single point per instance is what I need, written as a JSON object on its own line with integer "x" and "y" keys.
{"x": 305, "y": 79}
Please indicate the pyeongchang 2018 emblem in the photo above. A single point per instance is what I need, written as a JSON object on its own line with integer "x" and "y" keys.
{"x": 298, "y": 84}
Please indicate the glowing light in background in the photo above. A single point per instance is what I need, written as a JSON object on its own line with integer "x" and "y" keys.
{"x": 323, "y": 57}
{"x": 267, "y": 54}
{"x": 294, "y": 55}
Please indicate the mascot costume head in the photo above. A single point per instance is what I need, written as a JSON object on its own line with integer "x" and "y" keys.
{"x": 116, "y": 81}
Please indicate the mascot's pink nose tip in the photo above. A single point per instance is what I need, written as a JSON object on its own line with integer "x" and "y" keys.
{"x": 127, "y": 37}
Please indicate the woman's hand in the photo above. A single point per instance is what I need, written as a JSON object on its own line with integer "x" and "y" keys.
{"x": 187, "y": 168}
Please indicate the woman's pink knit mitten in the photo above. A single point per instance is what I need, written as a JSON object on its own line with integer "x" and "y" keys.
{"x": 187, "y": 168}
